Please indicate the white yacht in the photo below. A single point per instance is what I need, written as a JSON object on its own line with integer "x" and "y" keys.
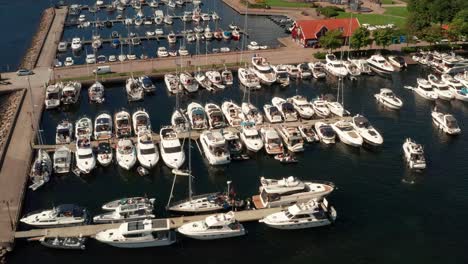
{"x": 317, "y": 69}
{"x": 228, "y": 78}
{"x": 414, "y": 154}
{"x": 446, "y": 122}
{"x": 172, "y": 83}
{"x": 90, "y": 59}
{"x": 41, "y": 170}
{"x": 197, "y": 116}
{"x": 215, "y": 78}
{"x": 179, "y": 121}
{"x": 304, "y": 71}
{"x": 171, "y": 150}
{"x": 162, "y": 52}
{"x": 250, "y": 137}
{"x": 213, "y": 227}
{"x": 147, "y": 153}
{"x": 285, "y": 108}
{"x": 62, "y": 160}
{"x": 347, "y": 133}
{"x": 233, "y": 113}
{"x": 103, "y": 127}
{"x": 139, "y": 234}
{"x": 302, "y": 106}
{"x": 370, "y": 135}
{"x": 76, "y": 44}
{"x": 104, "y": 154}
{"x": 334, "y": 106}
{"x": 451, "y": 81}
{"x": 251, "y": 113}
{"x": 362, "y": 65}
{"x": 215, "y": 148}
{"x": 68, "y": 61}
{"x": 64, "y": 132}
{"x": 335, "y": 67}
{"x": 271, "y": 140}
{"x": 84, "y": 155}
{"x": 146, "y": 83}
{"x": 134, "y": 90}
{"x": 71, "y": 93}
{"x": 293, "y": 71}
{"x": 96, "y": 93}
{"x": 379, "y": 64}
{"x": 440, "y": 88}
{"x": 53, "y": 95}
{"x": 292, "y": 138}
{"x": 353, "y": 69}
{"x": 126, "y": 213}
{"x": 325, "y": 132}
{"x": 126, "y": 154}
{"x": 204, "y": 82}
{"x": 302, "y": 215}
{"x": 387, "y": 98}
{"x": 215, "y": 116}
{"x": 122, "y": 124}
{"x": 397, "y": 62}
{"x": 308, "y": 133}
{"x": 141, "y": 121}
{"x": 60, "y": 216}
{"x": 84, "y": 127}
{"x": 248, "y": 78}
{"x": 320, "y": 108}
{"x": 272, "y": 114}
{"x": 425, "y": 90}
{"x": 288, "y": 191}
{"x": 263, "y": 70}
{"x": 188, "y": 82}
{"x": 281, "y": 74}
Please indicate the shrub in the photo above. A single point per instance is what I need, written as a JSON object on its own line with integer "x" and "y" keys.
{"x": 328, "y": 11}
{"x": 319, "y": 55}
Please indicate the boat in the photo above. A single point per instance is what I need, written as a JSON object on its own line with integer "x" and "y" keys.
{"x": 248, "y": 78}
{"x": 302, "y": 215}
{"x": 271, "y": 141}
{"x": 62, "y": 160}
{"x": 62, "y": 46}
{"x": 227, "y": 35}
{"x": 139, "y": 234}
{"x": 446, "y": 122}
{"x": 171, "y": 38}
{"x": 353, "y": 69}
{"x": 113, "y": 205}
{"x": 84, "y": 156}
{"x": 64, "y": 132}
{"x": 53, "y": 96}
{"x": 84, "y": 127}
{"x": 318, "y": 70}
{"x": 440, "y": 88}
{"x": 215, "y": 116}
{"x": 325, "y": 132}
{"x": 293, "y": 71}
{"x": 263, "y": 70}
{"x": 103, "y": 126}
{"x": 64, "y": 242}
{"x": 304, "y": 71}
{"x": 126, "y": 154}
{"x": 188, "y": 82}
{"x": 60, "y": 216}
{"x": 179, "y": 121}
{"x": 153, "y": 4}
{"x": 379, "y": 64}
{"x": 251, "y": 113}
{"x": 291, "y": 137}
{"x": 253, "y": 45}
{"x": 272, "y": 114}
{"x": 104, "y": 153}
{"x": 90, "y": 59}
{"x": 71, "y": 92}
{"x": 320, "y": 107}
{"x": 387, "y": 98}
{"x": 215, "y": 78}
{"x": 288, "y": 191}
{"x": 126, "y": 213}
{"x": 96, "y": 92}
{"x": 227, "y": 77}
{"x": 233, "y": 113}
{"x": 368, "y": 133}
{"x": 281, "y": 74}
{"x": 425, "y": 90}
{"x": 159, "y": 31}
{"x": 308, "y": 133}
{"x": 302, "y": 106}
{"x": 101, "y": 59}
{"x": 235, "y": 34}
{"x": 362, "y": 65}
{"x": 147, "y": 153}
{"x": 414, "y": 154}
{"x": 197, "y": 116}
{"x": 134, "y": 90}
{"x": 250, "y": 137}
{"x": 69, "y": 61}
{"x": 41, "y": 170}
{"x": 335, "y": 67}
{"x": 141, "y": 121}
{"x": 122, "y": 124}
{"x": 397, "y": 62}
{"x": 215, "y": 148}
{"x": 76, "y": 44}
{"x": 347, "y": 133}
{"x": 172, "y": 83}
{"x": 171, "y": 150}
{"x": 213, "y": 227}
{"x": 201, "y": 78}
{"x": 333, "y": 105}
{"x": 162, "y": 52}
{"x": 112, "y": 58}
{"x": 234, "y": 145}
{"x": 146, "y": 83}
{"x": 285, "y": 108}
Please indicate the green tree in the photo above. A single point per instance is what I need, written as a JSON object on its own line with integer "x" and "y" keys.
{"x": 331, "y": 40}
{"x": 458, "y": 28}
{"x": 360, "y": 38}
{"x": 432, "y": 34}
{"x": 383, "y": 37}
{"x": 328, "y": 11}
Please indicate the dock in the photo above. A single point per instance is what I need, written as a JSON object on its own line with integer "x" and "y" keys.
{"x": 175, "y": 222}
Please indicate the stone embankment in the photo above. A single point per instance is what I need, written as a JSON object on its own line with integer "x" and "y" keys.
{"x": 9, "y": 106}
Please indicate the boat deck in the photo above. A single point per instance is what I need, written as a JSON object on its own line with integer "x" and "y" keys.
{"x": 257, "y": 202}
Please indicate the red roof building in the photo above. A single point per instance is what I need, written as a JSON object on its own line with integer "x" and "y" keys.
{"x": 308, "y": 32}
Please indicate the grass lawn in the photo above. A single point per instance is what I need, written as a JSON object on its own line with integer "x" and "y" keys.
{"x": 401, "y": 11}
{"x": 386, "y": 2}
{"x": 283, "y": 3}
{"x": 375, "y": 19}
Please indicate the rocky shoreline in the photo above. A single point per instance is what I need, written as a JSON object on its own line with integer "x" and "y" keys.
{"x": 9, "y": 107}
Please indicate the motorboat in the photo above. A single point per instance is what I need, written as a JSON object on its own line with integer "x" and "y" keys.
{"x": 64, "y": 132}
{"x": 263, "y": 70}
{"x": 53, "y": 95}
{"x": 84, "y": 127}
{"x": 397, "y": 62}
{"x": 292, "y": 138}
{"x": 147, "y": 153}
{"x": 251, "y": 113}
{"x": 233, "y": 113}
{"x": 64, "y": 242}
{"x": 62, "y": 46}
{"x": 139, "y": 234}
{"x": 235, "y": 34}
{"x": 353, "y": 69}
{"x": 112, "y": 58}
{"x": 288, "y": 191}
{"x": 325, "y": 132}
{"x": 213, "y": 227}
{"x": 62, "y": 160}
{"x": 104, "y": 154}
{"x": 215, "y": 78}
{"x": 113, "y": 205}
{"x": 76, "y": 44}
{"x": 146, "y": 83}
{"x": 188, "y": 82}
{"x": 179, "y": 121}
{"x": 197, "y": 116}
{"x": 227, "y": 77}
{"x": 162, "y": 52}
{"x": 271, "y": 140}
{"x": 272, "y": 114}
{"x": 126, "y": 154}
{"x": 250, "y": 137}
{"x": 335, "y": 67}
{"x": 304, "y": 71}
{"x": 387, "y": 98}
{"x": 159, "y": 31}
{"x": 171, "y": 38}
{"x": 302, "y": 106}
{"x": 134, "y": 90}
{"x": 60, "y": 216}
{"x": 425, "y": 90}
{"x": 379, "y": 64}
{"x": 233, "y": 143}
{"x": 207, "y": 33}
{"x": 253, "y": 45}
{"x": 281, "y": 74}
{"x": 440, "y": 88}
{"x": 368, "y": 133}
{"x": 171, "y": 150}
{"x": 302, "y": 215}
{"x": 362, "y": 65}
{"x": 248, "y": 78}
{"x": 205, "y": 17}
{"x": 96, "y": 93}
{"x": 334, "y": 106}
{"x": 203, "y": 81}
{"x": 308, "y": 133}
{"x": 90, "y": 59}
{"x": 103, "y": 126}
{"x": 215, "y": 148}
{"x": 318, "y": 70}
{"x": 446, "y": 122}
{"x": 215, "y": 116}
{"x": 101, "y": 59}
{"x": 320, "y": 108}
{"x": 172, "y": 83}
{"x": 126, "y": 213}
{"x": 71, "y": 93}
{"x": 293, "y": 71}
{"x": 347, "y": 133}
{"x": 141, "y": 121}
{"x": 84, "y": 156}
{"x": 41, "y": 170}
{"x": 414, "y": 154}
{"x": 122, "y": 124}
{"x": 158, "y": 17}
{"x": 68, "y": 61}
{"x": 285, "y": 108}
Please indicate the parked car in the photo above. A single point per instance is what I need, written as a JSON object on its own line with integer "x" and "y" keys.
{"x": 24, "y": 72}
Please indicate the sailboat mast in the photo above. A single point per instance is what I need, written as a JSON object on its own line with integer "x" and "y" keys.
{"x": 190, "y": 163}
